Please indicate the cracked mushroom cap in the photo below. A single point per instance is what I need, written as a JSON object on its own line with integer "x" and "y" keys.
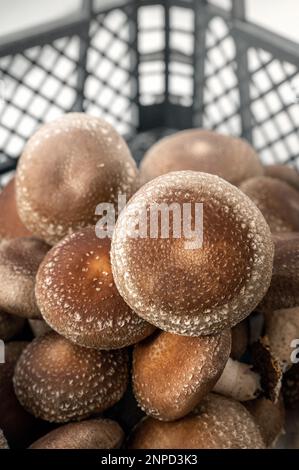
{"x": 175, "y": 283}
{"x": 76, "y": 294}
{"x": 220, "y": 423}
{"x": 10, "y": 223}
{"x": 59, "y": 381}
{"x": 90, "y": 434}
{"x": 285, "y": 173}
{"x": 231, "y": 158}
{"x": 278, "y": 202}
{"x": 19, "y": 262}
{"x": 10, "y": 325}
{"x": 284, "y": 287}
{"x": 190, "y": 367}
{"x": 68, "y": 167}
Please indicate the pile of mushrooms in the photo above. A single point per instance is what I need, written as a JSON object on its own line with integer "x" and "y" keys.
{"x": 155, "y": 341}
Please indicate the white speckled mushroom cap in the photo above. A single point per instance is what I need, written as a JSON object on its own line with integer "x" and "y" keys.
{"x": 220, "y": 423}
{"x": 59, "y": 381}
{"x": 68, "y": 167}
{"x": 194, "y": 291}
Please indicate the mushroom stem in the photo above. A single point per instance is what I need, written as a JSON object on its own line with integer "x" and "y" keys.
{"x": 238, "y": 381}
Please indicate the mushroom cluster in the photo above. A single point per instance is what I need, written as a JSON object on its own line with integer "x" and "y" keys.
{"x": 175, "y": 325}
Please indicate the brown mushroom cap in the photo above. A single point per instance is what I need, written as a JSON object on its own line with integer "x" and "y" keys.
{"x": 240, "y": 339}
{"x": 172, "y": 374}
{"x": 60, "y": 381}
{"x": 19, "y": 427}
{"x": 194, "y": 291}
{"x": 283, "y": 172}
{"x": 221, "y": 423}
{"x": 77, "y": 296}
{"x": 3, "y": 441}
{"x": 202, "y": 150}
{"x": 282, "y": 327}
{"x": 19, "y": 262}
{"x": 10, "y": 223}
{"x": 10, "y": 325}
{"x": 284, "y": 288}
{"x": 91, "y": 434}
{"x": 68, "y": 167}
{"x": 269, "y": 416}
{"x": 278, "y": 202}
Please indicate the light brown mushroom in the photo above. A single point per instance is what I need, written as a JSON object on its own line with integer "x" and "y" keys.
{"x": 90, "y": 434}
{"x": 283, "y": 172}
{"x": 59, "y": 381}
{"x": 67, "y": 168}
{"x": 278, "y": 202}
{"x": 178, "y": 285}
{"x": 284, "y": 288}
{"x": 10, "y": 223}
{"x": 231, "y": 158}
{"x": 10, "y": 325}
{"x": 269, "y": 416}
{"x": 220, "y": 423}
{"x": 19, "y": 262}
{"x": 172, "y": 373}
{"x": 77, "y": 297}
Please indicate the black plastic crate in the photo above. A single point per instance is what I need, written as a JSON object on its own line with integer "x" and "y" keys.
{"x": 151, "y": 68}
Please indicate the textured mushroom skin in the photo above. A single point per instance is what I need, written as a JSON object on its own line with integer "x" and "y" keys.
{"x": 10, "y": 223}
{"x": 201, "y": 150}
{"x": 76, "y": 294}
{"x": 220, "y": 423}
{"x": 91, "y": 434}
{"x": 59, "y": 381}
{"x": 278, "y": 202}
{"x": 285, "y": 173}
{"x": 68, "y": 167}
{"x": 19, "y": 262}
{"x": 10, "y": 325}
{"x": 172, "y": 373}
{"x": 194, "y": 291}
{"x": 284, "y": 288}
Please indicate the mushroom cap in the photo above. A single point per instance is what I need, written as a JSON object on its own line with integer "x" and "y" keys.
{"x": 220, "y": 423}
{"x": 68, "y": 167}
{"x": 282, "y": 327}
{"x": 269, "y": 416}
{"x": 59, "y": 381}
{"x": 284, "y": 287}
{"x": 283, "y": 172}
{"x": 90, "y": 434}
{"x": 3, "y": 441}
{"x": 190, "y": 368}
{"x": 240, "y": 339}
{"x": 19, "y": 262}
{"x": 10, "y": 325}
{"x": 19, "y": 427}
{"x": 231, "y": 158}
{"x": 10, "y": 222}
{"x": 183, "y": 289}
{"x": 278, "y": 202}
{"x": 77, "y": 296}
